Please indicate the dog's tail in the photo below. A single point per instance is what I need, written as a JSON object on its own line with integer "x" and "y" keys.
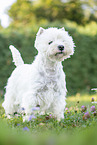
{"x": 17, "y": 59}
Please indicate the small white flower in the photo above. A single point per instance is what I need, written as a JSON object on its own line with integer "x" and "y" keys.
{"x": 94, "y": 89}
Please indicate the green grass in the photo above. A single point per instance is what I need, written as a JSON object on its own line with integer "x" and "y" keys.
{"x": 74, "y": 126}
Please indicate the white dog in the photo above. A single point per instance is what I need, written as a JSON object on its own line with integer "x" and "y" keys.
{"x": 43, "y": 81}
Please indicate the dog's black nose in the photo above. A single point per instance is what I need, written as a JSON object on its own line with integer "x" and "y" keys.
{"x": 61, "y": 47}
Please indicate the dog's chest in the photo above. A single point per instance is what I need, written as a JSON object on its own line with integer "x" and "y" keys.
{"x": 48, "y": 85}
{"x": 48, "y": 88}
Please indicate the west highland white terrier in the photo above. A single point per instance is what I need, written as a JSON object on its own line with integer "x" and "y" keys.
{"x": 43, "y": 81}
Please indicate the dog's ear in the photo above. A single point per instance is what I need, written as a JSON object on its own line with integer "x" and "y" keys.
{"x": 41, "y": 30}
{"x": 63, "y": 28}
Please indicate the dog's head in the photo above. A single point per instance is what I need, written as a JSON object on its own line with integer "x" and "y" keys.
{"x": 55, "y": 43}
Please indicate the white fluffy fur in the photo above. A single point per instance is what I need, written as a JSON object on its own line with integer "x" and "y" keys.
{"x": 43, "y": 81}
{"x": 16, "y": 56}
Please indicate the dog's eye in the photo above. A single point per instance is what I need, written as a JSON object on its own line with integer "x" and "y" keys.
{"x": 50, "y": 42}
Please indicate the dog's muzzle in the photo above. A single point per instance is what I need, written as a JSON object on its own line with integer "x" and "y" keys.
{"x": 61, "y": 48}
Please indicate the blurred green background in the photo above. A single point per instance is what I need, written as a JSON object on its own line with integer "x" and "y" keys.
{"x": 78, "y": 17}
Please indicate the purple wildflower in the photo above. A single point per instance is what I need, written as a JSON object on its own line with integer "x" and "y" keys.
{"x": 92, "y": 100}
{"x": 86, "y": 116}
{"x": 47, "y": 117}
{"x": 35, "y": 108}
{"x": 26, "y": 128}
{"x": 31, "y": 116}
{"x": 17, "y": 115}
{"x": 50, "y": 115}
{"x": 66, "y": 108}
{"x": 18, "y": 124}
{"x": 93, "y": 108}
{"x": 83, "y": 108}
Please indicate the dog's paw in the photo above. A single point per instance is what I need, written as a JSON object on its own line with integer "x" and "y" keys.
{"x": 59, "y": 118}
{"x": 25, "y": 118}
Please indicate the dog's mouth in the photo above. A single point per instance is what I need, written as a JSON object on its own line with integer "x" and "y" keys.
{"x": 60, "y": 53}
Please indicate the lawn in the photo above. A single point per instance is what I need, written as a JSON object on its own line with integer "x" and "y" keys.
{"x": 78, "y": 127}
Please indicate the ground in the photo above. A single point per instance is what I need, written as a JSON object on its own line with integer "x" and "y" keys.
{"x": 80, "y": 121}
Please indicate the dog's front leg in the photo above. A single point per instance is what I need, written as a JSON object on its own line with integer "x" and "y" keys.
{"x": 58, "y": 107}
{"x": 28, "y": 102}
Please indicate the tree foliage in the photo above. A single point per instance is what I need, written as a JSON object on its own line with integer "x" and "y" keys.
{"x": 28, "y": 12}
{"x": 21, "y": 13}
{"x": 58, "y": 10}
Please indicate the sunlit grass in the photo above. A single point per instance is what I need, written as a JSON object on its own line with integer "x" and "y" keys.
{"x": 73, "y": 124}
{"x": 80, "y": 100}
